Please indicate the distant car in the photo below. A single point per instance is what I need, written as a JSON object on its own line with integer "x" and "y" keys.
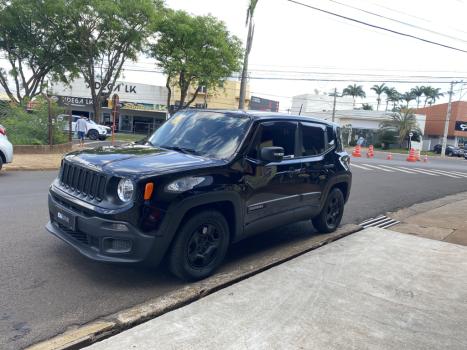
{"x": 451, "y": 151}
{"x": 95, "y": 131}
{"x": 6, "y": 148}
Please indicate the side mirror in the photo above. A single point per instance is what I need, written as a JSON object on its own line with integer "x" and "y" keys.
{"x": 272, "y": 154}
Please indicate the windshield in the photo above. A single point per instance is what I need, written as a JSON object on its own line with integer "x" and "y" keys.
{"x": 211, "y": 134}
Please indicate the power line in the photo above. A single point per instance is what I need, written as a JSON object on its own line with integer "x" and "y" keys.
{"x": 398, "y": 21}
{"x": 378, "y": 27}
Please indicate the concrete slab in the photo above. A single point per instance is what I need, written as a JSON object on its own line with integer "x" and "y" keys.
{"x": 376, "y": 289}
{"x": 448, "y": 216}
{"x": 426, "y": 232}
{"x": 457, "y": 237}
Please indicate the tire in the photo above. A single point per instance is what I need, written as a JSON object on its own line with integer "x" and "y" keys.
{"x": 93, "y": 134}
{"x": 1, "y": 163}
{"x": 200, "y": 246}
{"x": 330, "y": 216}
{"x": 102, "y": 138}
{"x": 449, "y": 154}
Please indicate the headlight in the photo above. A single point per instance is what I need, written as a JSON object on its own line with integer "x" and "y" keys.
{"x": 125, "y": 190}
{"x": 184, "y": 184}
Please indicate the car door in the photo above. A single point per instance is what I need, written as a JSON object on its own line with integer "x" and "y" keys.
{"x": 316, "y": 142}
{"x": 271, "y": 195}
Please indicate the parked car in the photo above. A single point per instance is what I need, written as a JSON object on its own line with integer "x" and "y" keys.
{"x": 203, "y": 180}
{"x": 6, "y": 148}
{"x": 451, "y": 151}
{"x": 95, "y": 131}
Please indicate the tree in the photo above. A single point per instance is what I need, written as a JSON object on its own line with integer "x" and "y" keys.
{"x": 33, "y": 37}
{"x": 367, "y": 107}
{"x": 403, "y": 121}
{"x": 379, "y": 89}
{"x": 392, "y": 95}
{"x": 249, "y": 42}
{"x": 108, "y": 33}
{"x": 418, "y": 91}
{"x": 354, "y": 91}
{"x": 407, "y": 97}
{"x": 433, "y": 94}
{"x": 195, "y": 51}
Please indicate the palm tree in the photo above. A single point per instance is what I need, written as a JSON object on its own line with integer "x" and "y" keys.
{"x": 391, "y": 96}
{"x": 249, "y": 42}
{"x": 354, "y": 91}
{"x": 407, "y": 97}
{"x": 427, "y": 91}
{"x": 418, "y": 91}
{"x": 434, "y": 94}
{"x": 379, "y": 89}
{"x": 403, "y": 122}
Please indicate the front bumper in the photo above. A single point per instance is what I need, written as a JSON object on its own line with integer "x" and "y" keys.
{"x": 97, "y": 238}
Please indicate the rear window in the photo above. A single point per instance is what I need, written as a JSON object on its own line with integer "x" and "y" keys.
{"x": 313, "y": 142}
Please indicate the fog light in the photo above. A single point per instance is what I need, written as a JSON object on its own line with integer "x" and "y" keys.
{"x": 116, "y": 227}
{"x": 112, "y": 245}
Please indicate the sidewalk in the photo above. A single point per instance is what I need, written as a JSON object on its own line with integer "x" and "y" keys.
{"x": 375, "y": 289}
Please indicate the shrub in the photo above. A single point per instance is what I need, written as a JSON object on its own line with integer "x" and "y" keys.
{"x": 31, "y": 127}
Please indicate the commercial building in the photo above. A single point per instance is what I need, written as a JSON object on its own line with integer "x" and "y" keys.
{"x": 360, "y": 123}
{"x": 143, "y": 107}
{"x": 263, "y": 104}
{"x": 435, "y": 121}
{"x": 226, "y": 96}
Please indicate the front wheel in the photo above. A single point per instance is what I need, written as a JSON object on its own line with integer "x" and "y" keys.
{"x": 330, "y": 216}
{"x": 1, "y": 163}
{"x": 200, "y": 246}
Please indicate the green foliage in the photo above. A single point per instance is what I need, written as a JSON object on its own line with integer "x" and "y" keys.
{"x": 31, "y": 128}
{"x": 367, "y": 107}
{"x": 195, "y": 51}
{"x": 386, "y": 137}
{"x": 379, "y": 90}
{"x": 33, "y": 38}
{"x": 431, "y": 95}
{"x": 354, "y": 91}
{"x": 402, "y": 123}
{"x": 104, "y": 34}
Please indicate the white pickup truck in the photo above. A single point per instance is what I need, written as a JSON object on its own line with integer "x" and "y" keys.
{"x": 6, "y": 148}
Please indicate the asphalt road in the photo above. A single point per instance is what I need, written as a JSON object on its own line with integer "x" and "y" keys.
{"x": 46, "y": 286}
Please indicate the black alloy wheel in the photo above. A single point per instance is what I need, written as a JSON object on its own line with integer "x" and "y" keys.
{"x": 200, "y": 246}
{"x": 93, "y": 134}
{"x": 331, "y": 214}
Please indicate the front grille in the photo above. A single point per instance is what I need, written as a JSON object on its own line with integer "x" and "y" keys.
{"x": 83, "y": 181}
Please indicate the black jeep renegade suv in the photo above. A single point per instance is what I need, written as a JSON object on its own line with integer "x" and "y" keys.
{"x": 203, "y": 180}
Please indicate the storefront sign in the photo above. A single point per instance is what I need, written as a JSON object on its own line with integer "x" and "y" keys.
{"x": 72, "y": 101}
{"x": 143, "y": 106}
{"x": 461, "y": 126}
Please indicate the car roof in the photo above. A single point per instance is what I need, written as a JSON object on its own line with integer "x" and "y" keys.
{"x": 263, "y": 116}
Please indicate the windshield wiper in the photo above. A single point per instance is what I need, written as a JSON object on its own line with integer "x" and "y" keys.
{"x": 180, "y": 149}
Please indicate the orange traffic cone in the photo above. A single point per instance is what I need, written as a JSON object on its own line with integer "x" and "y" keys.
{"x": 425, "y": 159}
{"x": 411, "y": 157}
{"x": 417, "y": 155}
{"x": 357, "y": 151}
{"x": 371, "y": 152}
{"x": 389, "y": 156}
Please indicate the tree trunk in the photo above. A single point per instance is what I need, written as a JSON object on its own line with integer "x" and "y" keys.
{"x": 241, "y": 102}
{"x": 377, "y": 105}
{"x": 169, "y": 95}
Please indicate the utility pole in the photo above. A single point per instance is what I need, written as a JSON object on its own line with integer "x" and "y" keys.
{"x": 446, "y": 123}
{"x": 334, "y": 105}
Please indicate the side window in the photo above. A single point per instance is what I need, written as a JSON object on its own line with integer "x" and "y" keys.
{"x": 312, "y": 139}
{"x": 330, "y": 137}
{"x": 278, "y": 134}
{"x": 339, "y": 140}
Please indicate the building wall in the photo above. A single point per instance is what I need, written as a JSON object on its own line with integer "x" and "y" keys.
{"x": 436, "y": 117}
{"x": 226, "y": 97}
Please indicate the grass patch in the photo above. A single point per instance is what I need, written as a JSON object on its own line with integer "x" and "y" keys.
{"x": 129, "y": 137}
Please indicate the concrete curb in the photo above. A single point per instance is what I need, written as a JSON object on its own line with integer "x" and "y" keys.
{"x": 105, "y": 327}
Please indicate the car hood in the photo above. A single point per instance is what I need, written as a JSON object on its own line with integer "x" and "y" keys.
{"x": 139, "y": 160}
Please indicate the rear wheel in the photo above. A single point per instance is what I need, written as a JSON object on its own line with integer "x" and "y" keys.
{"x": 93, "y": 134}
{"x": 331, "y": 214}
{"x": 1, "y": 163}
{"x": 200, "y": 246}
